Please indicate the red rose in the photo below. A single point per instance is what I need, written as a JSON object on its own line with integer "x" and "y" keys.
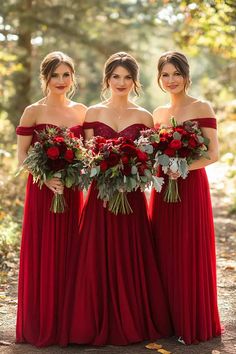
{"x": 169, "y": 152}
{"x": 103, "y": 166}
{"x": 100, "y": 146}
{"x": 183, "y": 152}
{"x": 100, "y": 139}
{"x": 62, "y": 147}
{"x": 142, "y": 156}
{"x": 175, "y": 144}
{"x": 164, "y": 138}
{"x": 53, "y": 152}
{"x": 59, "y": 139}
{"x": 69, "y": 155}
{"x": 126, "y": 170}
{"x": 57, "y": 165}
{"x": 125, "y": 159}
{"x": 154, "y": 144}
{"x": 141, "y": 169}
{"x": 192, "y": 143}
{"x": 113, "y": 159}
{"x": 162, "y": 145}
{"x": 180, "y": 130}
{"x": 129, "y": 149}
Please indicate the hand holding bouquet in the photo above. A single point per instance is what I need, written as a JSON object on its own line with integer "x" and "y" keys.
{"x": 57, "y": 153}
{"x": 120, "y": 166}
{"x": 175, "y": 148}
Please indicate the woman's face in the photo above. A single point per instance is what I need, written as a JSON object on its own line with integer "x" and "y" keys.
{"x": 171, "y": 79}
{"x": 61, "y": 80}
{"x": 121, "y": 82}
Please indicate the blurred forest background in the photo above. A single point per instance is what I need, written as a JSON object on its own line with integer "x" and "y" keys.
{"x": 89, "y": 31}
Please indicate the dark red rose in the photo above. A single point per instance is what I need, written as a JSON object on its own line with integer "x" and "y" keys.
{"x": 155, "y": 145}
{"x": 57, "y": 165}
{"x": 125, "y": 159}
{"x": 169, "y": 152}
{"x": 113, "y": 159}
{"x": 175, "y": 144}
{"x": 142, "y": 156}
{"x": 141, "y": 169}
{"x": 62, "y": 147}
{"x": 103, "y": 166}
{"x": 129, "y": 149}
{"x": 192, "y": 143}
{"x": 53, "y": 152}
{"x": 126, "y": 170}
{"x": 59, "y": 139}
{"x": 69, "y": 155}
{"x": 183, "y": 152}
{"x": 162, "y": 145}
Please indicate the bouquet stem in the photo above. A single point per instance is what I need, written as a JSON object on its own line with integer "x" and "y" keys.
{"x": 58, "y": 204}
{"x": 172, "y": 192}
{"x": 120, "y": 204}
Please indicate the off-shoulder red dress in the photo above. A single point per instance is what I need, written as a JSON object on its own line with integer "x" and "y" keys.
{"x": 185, "y": 252}
{"x": 115, "y": 294}
{"x": 45, "y": 246}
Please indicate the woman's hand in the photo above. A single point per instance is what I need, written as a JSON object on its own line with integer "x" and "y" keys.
{"x": 55, "y": 185}
{"x": 173, "y": 175}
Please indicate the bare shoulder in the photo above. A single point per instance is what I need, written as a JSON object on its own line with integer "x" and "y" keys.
{"x": 159, "y": 113}
{"x": 79, "y": 106}
{"x": 203, "y": 109}
{"x": 80, "y": 109}
{"x": 145, "y": 116}
{"x": 30, "y": 114}
{"x": 92, "y": 112}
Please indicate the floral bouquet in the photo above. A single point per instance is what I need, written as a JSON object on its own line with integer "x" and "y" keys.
{"x": 58, "y": 153}
{"x": 175, "y": 148}
{"x": 120, "y": 166}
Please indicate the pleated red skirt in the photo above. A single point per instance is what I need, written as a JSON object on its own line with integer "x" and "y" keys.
{"x": 185, "y": 252}
{"x": 44, "y": 259}
{"x": 114, "y": 295}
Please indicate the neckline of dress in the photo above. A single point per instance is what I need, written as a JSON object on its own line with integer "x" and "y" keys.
{"x": 58, "y": 126}
{"x": 192, "y": 119}
{"x": 120, "y": 131}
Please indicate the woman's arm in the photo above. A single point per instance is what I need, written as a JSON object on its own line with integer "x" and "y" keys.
{"x": 23, "y": 142}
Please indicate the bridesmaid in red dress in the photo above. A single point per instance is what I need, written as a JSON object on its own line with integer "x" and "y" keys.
{"x": 46, "y": 237}
{"x": 115, "y": 292}
{"x": 184, "y": 231}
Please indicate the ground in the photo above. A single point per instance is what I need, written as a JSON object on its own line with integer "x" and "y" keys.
{"x": 225, "y": 226}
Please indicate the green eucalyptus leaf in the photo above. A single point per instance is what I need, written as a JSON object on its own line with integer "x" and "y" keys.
{"x": 163, "y": 160}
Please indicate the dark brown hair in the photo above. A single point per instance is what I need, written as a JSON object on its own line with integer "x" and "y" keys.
{"x": 49, "y": 65}
{"x": 179, "y": 61}
{"x": 126, "y": 61}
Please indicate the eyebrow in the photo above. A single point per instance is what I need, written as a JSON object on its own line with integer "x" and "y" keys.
{"x": 114, "y": 73}
{"x": 65, "y": 72}
{"x": 165, "y": 72}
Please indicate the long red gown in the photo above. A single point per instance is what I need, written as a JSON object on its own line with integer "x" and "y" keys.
{"x": 185, "y": 252}
{"x": 45, "y": 248}
{"x": 115, "y": 295}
